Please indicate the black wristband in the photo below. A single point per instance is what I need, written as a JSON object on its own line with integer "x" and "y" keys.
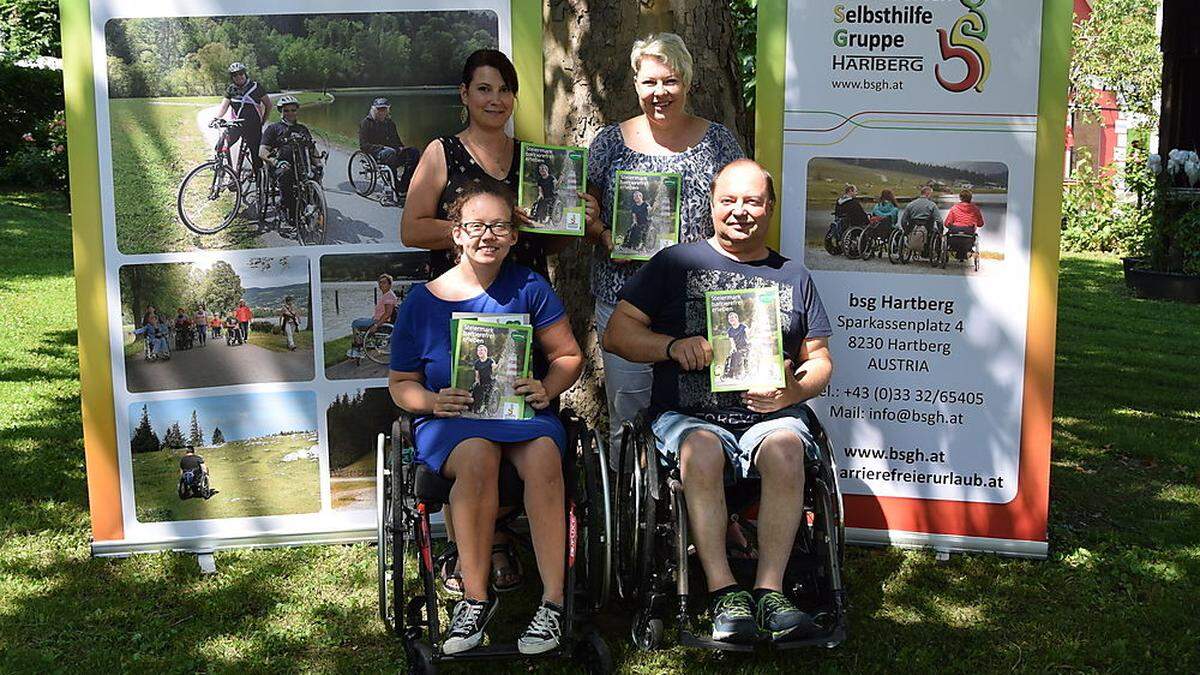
{"x": 669, "y": 345}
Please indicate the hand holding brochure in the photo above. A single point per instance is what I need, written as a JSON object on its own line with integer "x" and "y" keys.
{"x": 747, "y": 340}
{"x": 552, "y": 177}
{"x": 645, "y": 213}
{"x": 488, "y": 359}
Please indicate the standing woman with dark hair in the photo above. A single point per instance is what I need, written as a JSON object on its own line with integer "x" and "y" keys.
{"x": 483, "y": 153}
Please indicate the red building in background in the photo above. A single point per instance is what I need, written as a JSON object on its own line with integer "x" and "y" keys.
{"x": 1106, "y": 139}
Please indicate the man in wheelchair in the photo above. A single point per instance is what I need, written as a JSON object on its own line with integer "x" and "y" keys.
{"x": 378, "y": 137}
{"x": 717, "y": 438}
{"x": 193, "y": 476}
{"x": 385, "y": 310}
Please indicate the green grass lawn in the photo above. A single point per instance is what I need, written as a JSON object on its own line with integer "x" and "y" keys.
{"x": 252, "y": 475}
{"x": 278, "y": 343}
{"x": 1118, "y": 592}
{"x": 335, "y": 350}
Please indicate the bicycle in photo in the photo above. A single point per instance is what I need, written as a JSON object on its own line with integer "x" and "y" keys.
{"x": 309, "y": 212}
{"x": 213, "y": 193}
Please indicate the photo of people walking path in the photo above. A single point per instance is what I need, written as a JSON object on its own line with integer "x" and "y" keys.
{"x": 216, "y": 322}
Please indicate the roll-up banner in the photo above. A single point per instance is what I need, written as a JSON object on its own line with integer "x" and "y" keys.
{"x": 920, "y": 146}
{"x": 217, "y": 301}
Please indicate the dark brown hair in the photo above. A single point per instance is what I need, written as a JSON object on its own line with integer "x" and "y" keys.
{"x": 494, "y": 58}
{"x": 965, "y": 196}
{"x": 887, "y": 196}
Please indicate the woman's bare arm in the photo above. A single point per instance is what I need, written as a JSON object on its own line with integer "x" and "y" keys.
{"x": 420, "y": 226}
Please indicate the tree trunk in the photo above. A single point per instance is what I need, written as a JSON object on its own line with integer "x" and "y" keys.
{"x": 589, "y": 84}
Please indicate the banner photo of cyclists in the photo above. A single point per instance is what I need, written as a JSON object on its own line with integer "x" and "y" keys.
{"x": 359, "y": 297}
{"x": 216, "y": 321}
{"x": 894, "y": 216}
{"x": 915, "y": 189}
{"x": 355, "y": 418}
{"x": 277, "y": 130}
{"x": 215, "y": 457}
{"x": 239, "y": 172}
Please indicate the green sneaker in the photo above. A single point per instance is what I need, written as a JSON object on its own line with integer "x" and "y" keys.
{"x": 733, "y": 618}
{"x": 779, "y": 618}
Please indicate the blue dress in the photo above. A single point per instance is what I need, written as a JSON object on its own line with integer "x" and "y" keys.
{"x": 421, "y": 343}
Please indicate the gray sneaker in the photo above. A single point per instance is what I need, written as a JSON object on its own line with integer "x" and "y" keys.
{"x": 733, "y": 618}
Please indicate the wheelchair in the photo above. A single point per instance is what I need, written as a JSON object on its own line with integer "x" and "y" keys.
{"x": 366, "y": 173}
{"x": 377, "y": 346}
{"x": 408, "y": 493}
{"x": 193, "y": 484}
{"x": 833, "y": 237}
{"x": 184, "y": 338}
{"x": 163, "y": 354}
{"x": 233, "y": 335}
{"x": 902, "y": 251}
{"x": 655, "y": 569}
{"x": 964, "y": 245}
{"x": 874, "y": 238}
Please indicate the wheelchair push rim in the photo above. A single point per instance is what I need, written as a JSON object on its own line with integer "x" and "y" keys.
{"x": 363, "y": 172}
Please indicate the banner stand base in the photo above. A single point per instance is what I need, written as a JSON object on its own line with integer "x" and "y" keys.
{"x": 945, "y": 544}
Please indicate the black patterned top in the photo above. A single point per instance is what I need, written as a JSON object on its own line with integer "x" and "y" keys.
{"x": 461, "y": 171}
{"x": 698, "y": 164}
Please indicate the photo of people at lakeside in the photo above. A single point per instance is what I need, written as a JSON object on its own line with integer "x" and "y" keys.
{"x": 216, "y": 322}
{"x": 898, "y": 216}
{"x": 359, "y": 297}
{"x": 225, "y": 456}
{"x": 277, "y": 130}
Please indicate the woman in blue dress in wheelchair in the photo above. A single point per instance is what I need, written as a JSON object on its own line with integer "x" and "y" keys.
{"x": 468, "y": 451}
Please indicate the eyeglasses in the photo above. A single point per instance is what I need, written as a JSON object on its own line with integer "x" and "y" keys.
{"x": 475, "y": 228}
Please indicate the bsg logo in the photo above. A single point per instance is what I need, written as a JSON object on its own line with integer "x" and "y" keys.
{"x": 965, "y": 42}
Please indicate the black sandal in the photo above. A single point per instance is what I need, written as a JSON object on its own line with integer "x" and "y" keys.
{"x": 447, "y": 566}
{"x": 514, "y": 569}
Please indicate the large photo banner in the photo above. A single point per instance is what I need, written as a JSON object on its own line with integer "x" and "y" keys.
{"x": 224, "y": 402}
{"x": 920, "y": 148}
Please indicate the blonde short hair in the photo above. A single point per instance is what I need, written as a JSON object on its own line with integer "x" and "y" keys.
{"x": 668, "y": 48}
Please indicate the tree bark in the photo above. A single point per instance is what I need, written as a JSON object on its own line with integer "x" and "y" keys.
{"x": 589, "y": 84}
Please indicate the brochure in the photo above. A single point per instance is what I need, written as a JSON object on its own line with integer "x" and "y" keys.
{"x": 747, "y": 339}
{"x": 645, "y": 213}
{"x": 488, "y": 358}
{"x": 552, "y": 176}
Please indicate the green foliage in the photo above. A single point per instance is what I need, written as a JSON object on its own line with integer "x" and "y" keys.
{"x": 1174, "y": 245}
{"x": 30, "y": 29}
{"x": 222, "y": 288}
{"x": 189, "y": 56}
{"x": 174, "y": 437}
{"x": 1096, "y": 218}
{"x": 41, "y": 162}
{"x": 217, "y": 437}
{"x": 745, "y": 44}
{"x": 144, "y": 439}
{"x": 354, "y": 420}
{"x": 32, "y": 112}
{"x": 195, "y": 433}
{"x": 1116, "y": 49}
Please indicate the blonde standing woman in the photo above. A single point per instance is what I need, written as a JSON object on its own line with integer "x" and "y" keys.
{"x": 666, "y": 137}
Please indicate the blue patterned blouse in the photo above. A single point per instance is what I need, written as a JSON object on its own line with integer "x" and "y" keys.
{"x": 698, "y": 164}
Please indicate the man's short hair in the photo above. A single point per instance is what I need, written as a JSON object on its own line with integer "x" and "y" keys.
{"x": 712, "y": 188}
{"x": 926, "y": 190}
{"x": 965, "y": 196}
{"x": 191, "y": 449}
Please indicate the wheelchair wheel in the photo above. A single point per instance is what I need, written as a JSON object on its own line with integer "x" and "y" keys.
{"x": 866, "y": 244}
{"x": 975, "y": 255}
{"x": 420, "y": 659}
{"x": 646, "y": 631}
{"x": 626, "y": 513}
{"x": 937, "y": 252}
{"x": 363, "y": 172}
{"x": 594, "y": 654}
{"x": 833, "y": 243}
{"x": 597, "y": 543}
{"x": 312, "y": 214}
{"x": 896, "y": 247}
{"x": 378, "y": 347}
{"x": 850, "y": 242}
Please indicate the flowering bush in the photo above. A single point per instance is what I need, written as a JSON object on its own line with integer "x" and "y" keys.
{"x": 41, "y": 159}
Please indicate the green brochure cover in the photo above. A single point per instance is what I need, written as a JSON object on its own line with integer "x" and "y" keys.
{"x": 488, "y": 358}
{"x": 552, "y": 176}
{"x": 747, "y": 339}
{"x": 645, "y": 213}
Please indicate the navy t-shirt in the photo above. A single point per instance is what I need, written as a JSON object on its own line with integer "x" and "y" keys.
{"x": 670, "y": 290}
